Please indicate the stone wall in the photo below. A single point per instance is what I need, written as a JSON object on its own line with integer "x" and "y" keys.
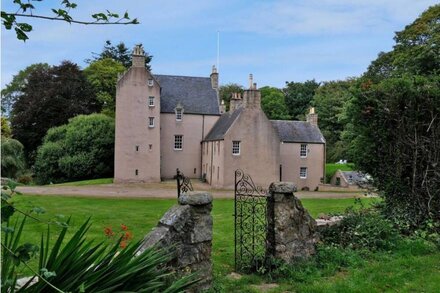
{"x": 292, "y": 232}
{"x": 186, "y": 229}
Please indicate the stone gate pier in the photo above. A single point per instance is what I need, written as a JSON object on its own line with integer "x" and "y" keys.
{"x": 186, "y": 231}
{"x": 292, "y": 232}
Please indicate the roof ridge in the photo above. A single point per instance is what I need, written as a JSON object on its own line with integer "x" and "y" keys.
{"x": 172, "y": 75}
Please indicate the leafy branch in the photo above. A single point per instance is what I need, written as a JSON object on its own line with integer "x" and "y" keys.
{"x": 26, "y": 9}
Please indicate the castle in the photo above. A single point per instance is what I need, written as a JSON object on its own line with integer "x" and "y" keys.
{"x": 165, "y": 122}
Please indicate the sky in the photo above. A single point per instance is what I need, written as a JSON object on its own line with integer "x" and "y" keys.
{"x": 276, "y": 41}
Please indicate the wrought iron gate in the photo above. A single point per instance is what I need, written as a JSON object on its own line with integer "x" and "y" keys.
{"x": 250, "y": 224}
{"x": 183, "y": 183}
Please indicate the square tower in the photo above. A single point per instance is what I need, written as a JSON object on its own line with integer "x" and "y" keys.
{"x": 137, "y": 122}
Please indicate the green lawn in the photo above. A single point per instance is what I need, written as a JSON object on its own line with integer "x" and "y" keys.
{"x": 408, "y": 272}
{"x": 86, "y": 182}
{"x": 331, "y": 168}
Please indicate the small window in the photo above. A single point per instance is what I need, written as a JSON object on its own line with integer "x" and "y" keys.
{"x": 151, "y": 122}
{"x": 303, "y": 151}
{"x": 137, "y": 148}
{"x": 179, "y": 114}
{"x": 151, "y": 101}
{"x": 195, "y": 170}
{"x": 150, "y": 147}
{"x": 303, "y": 172}
{"x": 136, "y": 172}
{"x": 178, "y": 142}
{"x": 150, "y": 82}
{"x": 236, "y": 148}
{"x": 218, "y": 148}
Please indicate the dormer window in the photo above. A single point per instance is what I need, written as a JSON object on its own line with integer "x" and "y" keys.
{"x": 303, "y": 151}
{"x": 179, "y": 112}
{"x": 150, "y": 82}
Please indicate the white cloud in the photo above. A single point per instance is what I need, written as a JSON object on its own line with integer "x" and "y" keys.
{"x": 320, "y": 17}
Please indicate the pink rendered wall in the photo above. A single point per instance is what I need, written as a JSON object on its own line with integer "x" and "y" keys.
{"x": 193, "y": 128}
{"x": 259, "y": 149}
{"x": 292, "y": 161}
{"x": 132, "y": 128}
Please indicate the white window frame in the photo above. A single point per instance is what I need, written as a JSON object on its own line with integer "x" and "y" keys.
{"x": 301, "y": 173}
{"x": 178, "y": 137}
{"x": 179, "y": 114}
{"x": 236, "y": 147}
{"x": 303, "y": 151}
{"x": 151, "y": 101}
{"x": 151, "y": 122}
{"x": 150, "y": 82}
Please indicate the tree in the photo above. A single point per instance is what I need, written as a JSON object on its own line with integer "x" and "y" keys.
{"x": 298, "y": 96}
{"x": 5, "y": 128}
{"x": 398, "y": 142}
{"x": 272, "y": 103}
{"x": 226, "y": 91}
{"x": 13, "y": 161}
{"x": 15, "y": 88}
{"x": 330, "y": 100}
{"x": 119, "y": 53}
{"x": 81, "y": 149}
{"x": 50, "y": 97}
{"x": 417, "y": 49}
{"x": 103, "y": 75}
{"x": 25, "y": 9}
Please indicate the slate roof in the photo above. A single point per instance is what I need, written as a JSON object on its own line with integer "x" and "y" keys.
{"x": 298, "y": 131}
{"x": 222, "y": 125}
{"x": 353, "y": 177}
{"x": 195, "y": 94}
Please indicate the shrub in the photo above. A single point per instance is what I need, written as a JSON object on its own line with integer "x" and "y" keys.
{"x": 82, "y": 149}
{"x": 362, "y": 229}
{"x": 24, "y": 179}
{"x": 47, "y": 169}
{"x": 12, "y": 157}
{"x": 404, "y": 162}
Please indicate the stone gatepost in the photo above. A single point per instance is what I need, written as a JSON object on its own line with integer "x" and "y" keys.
{"x": 291, "y": 230}
{"x": 186, "y": 229}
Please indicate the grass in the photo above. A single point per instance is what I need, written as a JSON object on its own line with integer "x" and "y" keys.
{"x": 86, "y": 182}
{"x": 331, "y": 168}
{"x": 409, "y": 269}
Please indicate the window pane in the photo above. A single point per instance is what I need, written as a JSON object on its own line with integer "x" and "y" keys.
{"x": 235, "y": 147}
{"x": 178, "y": 114}
{"x": 178, "y": 142}
{"x": 303, "y": 172}
{"x": 303, "y": 151}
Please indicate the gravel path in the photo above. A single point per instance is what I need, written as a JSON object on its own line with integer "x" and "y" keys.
{"x": 165, "y": 189}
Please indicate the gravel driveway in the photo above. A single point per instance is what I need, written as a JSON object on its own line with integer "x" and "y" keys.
{"x": 165, "y": 189}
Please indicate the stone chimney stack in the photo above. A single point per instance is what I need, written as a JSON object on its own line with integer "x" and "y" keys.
{"x": 252, "y": 96}
{"x": 222, "y": 107}
{"x": 214, "y": 78}
{"x": 138, "y": 57}
{"x": 235, "y": 102}
{"x": 312, "y": 117}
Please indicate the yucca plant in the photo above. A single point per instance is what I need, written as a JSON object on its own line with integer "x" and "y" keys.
{"x": 81, "y": 266}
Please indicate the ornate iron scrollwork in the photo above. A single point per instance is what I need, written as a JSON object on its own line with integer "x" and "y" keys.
{"x": 183, "y": 183}
{"x": 250, "y": 224}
